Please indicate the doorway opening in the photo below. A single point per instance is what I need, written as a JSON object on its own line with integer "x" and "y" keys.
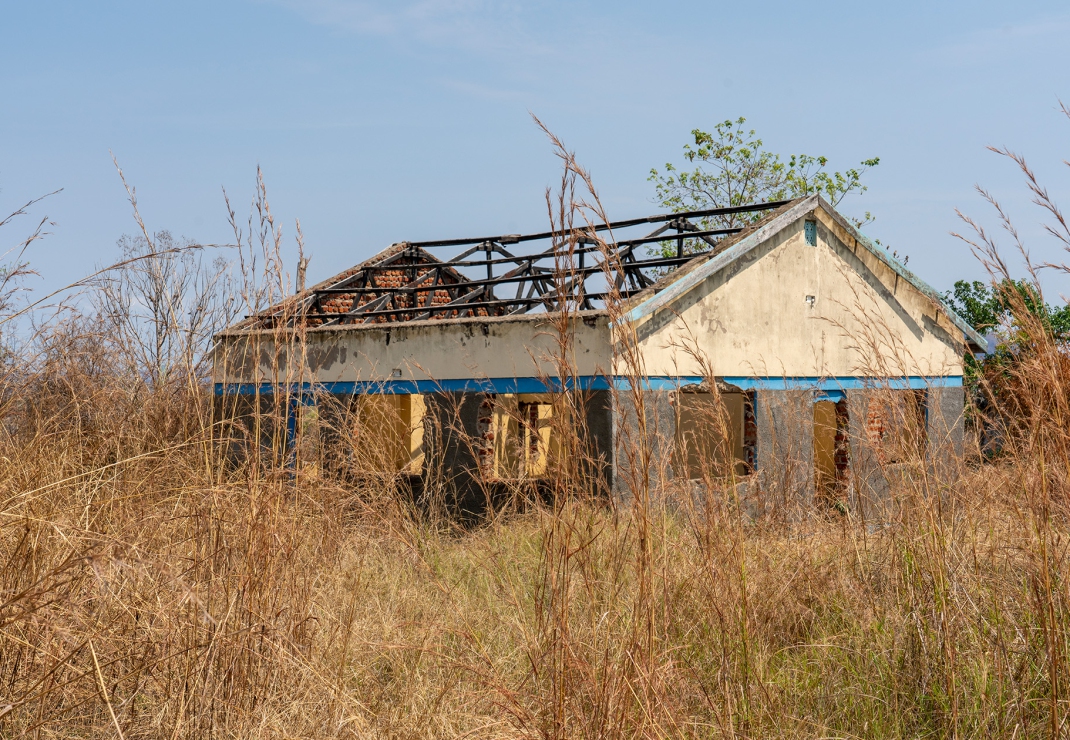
{"x": 831, "y": 450}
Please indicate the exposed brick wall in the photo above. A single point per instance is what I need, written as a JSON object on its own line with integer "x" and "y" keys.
{"x": 876, "y": 422}
{"x": 484, "y": 442}
{"x": 396, "y": 275}
{"x": 750, "y": 432}
{"x": 895, "y": 425}
{"x": 842, "y": 456}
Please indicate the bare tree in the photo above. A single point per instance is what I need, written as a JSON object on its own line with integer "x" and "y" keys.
{"x": 162, "y": 306}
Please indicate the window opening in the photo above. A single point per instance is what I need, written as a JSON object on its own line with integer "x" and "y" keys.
{"x": 306, "y": 437}
{"x": 843, "y": 444}
{"x": 896, "y": 425}
{"x": 485, "y": 432}
{"x": 388, "y": 433}
{"x": 712, "y": 435}
{"x": 831, "y": 449}
{"x": 750, "y": 431}
{"x": 515, "y": 436}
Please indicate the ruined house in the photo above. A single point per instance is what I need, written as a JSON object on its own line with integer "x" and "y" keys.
{"x": 773, "y": 343}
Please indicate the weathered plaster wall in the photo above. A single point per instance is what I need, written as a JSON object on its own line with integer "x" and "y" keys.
{"x": 426, "y": 350}
{"x": 642, "y": 454}
{"x": 752, "y": 318}
{"x": 785, "y": 450}
{"x": 945, "y": 417}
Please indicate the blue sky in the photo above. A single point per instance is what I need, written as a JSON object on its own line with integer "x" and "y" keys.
{"x": 381, "y": 122}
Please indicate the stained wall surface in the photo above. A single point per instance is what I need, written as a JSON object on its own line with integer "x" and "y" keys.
{"x": 522, "y": 347}
{"x": 788, "y": 309}
{"x": 784, "y": 309}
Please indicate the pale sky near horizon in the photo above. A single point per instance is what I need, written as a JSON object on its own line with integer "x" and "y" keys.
{"x": 380, "y": 122}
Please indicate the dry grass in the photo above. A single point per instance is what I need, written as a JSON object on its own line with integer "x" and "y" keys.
{"x": 283, "y": 610}
{"x": 148, "y": 591}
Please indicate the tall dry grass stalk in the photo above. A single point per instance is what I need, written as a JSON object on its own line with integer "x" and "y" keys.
{"x": 149, "y": 588}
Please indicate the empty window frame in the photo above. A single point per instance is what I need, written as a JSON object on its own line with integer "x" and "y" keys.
{"x": 387, "y": 432}
{"x": 715, "y": 434}
{"x": 896, "y": 425}
{"x": 515, "y": 436}
{"x": 303, "y": 433}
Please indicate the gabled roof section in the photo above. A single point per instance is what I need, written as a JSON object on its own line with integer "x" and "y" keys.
{"x": 358, "y": 292}
{"x": 735, "y": 247}
{"x": 572, "y": 268}
{"x": 497, "y": 276}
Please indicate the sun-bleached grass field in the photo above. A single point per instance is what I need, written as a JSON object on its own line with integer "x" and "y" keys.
{"x": 148, "y": 589}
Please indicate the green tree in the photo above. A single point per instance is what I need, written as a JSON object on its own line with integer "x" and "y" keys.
{"x": 991, "y": 308}
{"x": 733, "y": 168}
{"x": 1014, "y": 312}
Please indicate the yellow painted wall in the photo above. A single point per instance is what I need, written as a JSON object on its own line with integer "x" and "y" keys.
{"x": 825, "y": 444}
{"x": 522, "y": 450}
{"x": 388, "y": 433}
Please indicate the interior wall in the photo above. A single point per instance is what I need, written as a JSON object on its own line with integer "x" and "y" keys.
{"x": 519, "y": 440}
{"x": 384, "y": 433}
{"x": 824, "y": 445}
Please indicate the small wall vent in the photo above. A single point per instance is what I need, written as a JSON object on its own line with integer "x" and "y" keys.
{"x": 810, "y": 229}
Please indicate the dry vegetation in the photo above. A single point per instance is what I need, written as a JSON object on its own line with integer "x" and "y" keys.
{"x": 146, "y": 590}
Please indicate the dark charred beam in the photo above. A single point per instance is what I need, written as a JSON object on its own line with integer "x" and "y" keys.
{"x": 364, "y": 274}
{"x": 625, "y": 256}
{"x": 656, "y": 236}
{"x": 538, "y": 283}
{"x": 456, "y": 304}
{"x": 660, "y": 218}
{"x": 465, "y": 307}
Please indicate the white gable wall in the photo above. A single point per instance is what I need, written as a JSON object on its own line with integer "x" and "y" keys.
{"x": 752, "y": 318}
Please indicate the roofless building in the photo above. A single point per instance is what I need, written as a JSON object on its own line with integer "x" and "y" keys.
{"x": 771, "y": 342}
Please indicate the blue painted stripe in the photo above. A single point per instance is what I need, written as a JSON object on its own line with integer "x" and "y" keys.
{"x": 848, "y": 383}
{"x": 407, "y": 387}
{"x": 917, "y": 382}
{"x": 586, "y": 382}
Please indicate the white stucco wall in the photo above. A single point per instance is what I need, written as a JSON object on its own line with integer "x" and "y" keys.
{"x": 752, "y": 318}
{"x": 520, "y": 347}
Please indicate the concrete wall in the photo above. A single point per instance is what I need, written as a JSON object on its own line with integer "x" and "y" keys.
{"x": 598, "y": 439}
{"x": 945, "y": 417}
{"x": 642, "y": 453}
{"x": 752, "y": 318}
{"x": 251, "y": 427}
{"x": 877, "y": 490}
{"x": 869, "y": 493}
{"x": 517, "y": 347}
{"x": 785, "y": 474}
{"x": 451, "y": 469}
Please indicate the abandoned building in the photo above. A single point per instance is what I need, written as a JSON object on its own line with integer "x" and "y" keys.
{"x": 772, "y": 343}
